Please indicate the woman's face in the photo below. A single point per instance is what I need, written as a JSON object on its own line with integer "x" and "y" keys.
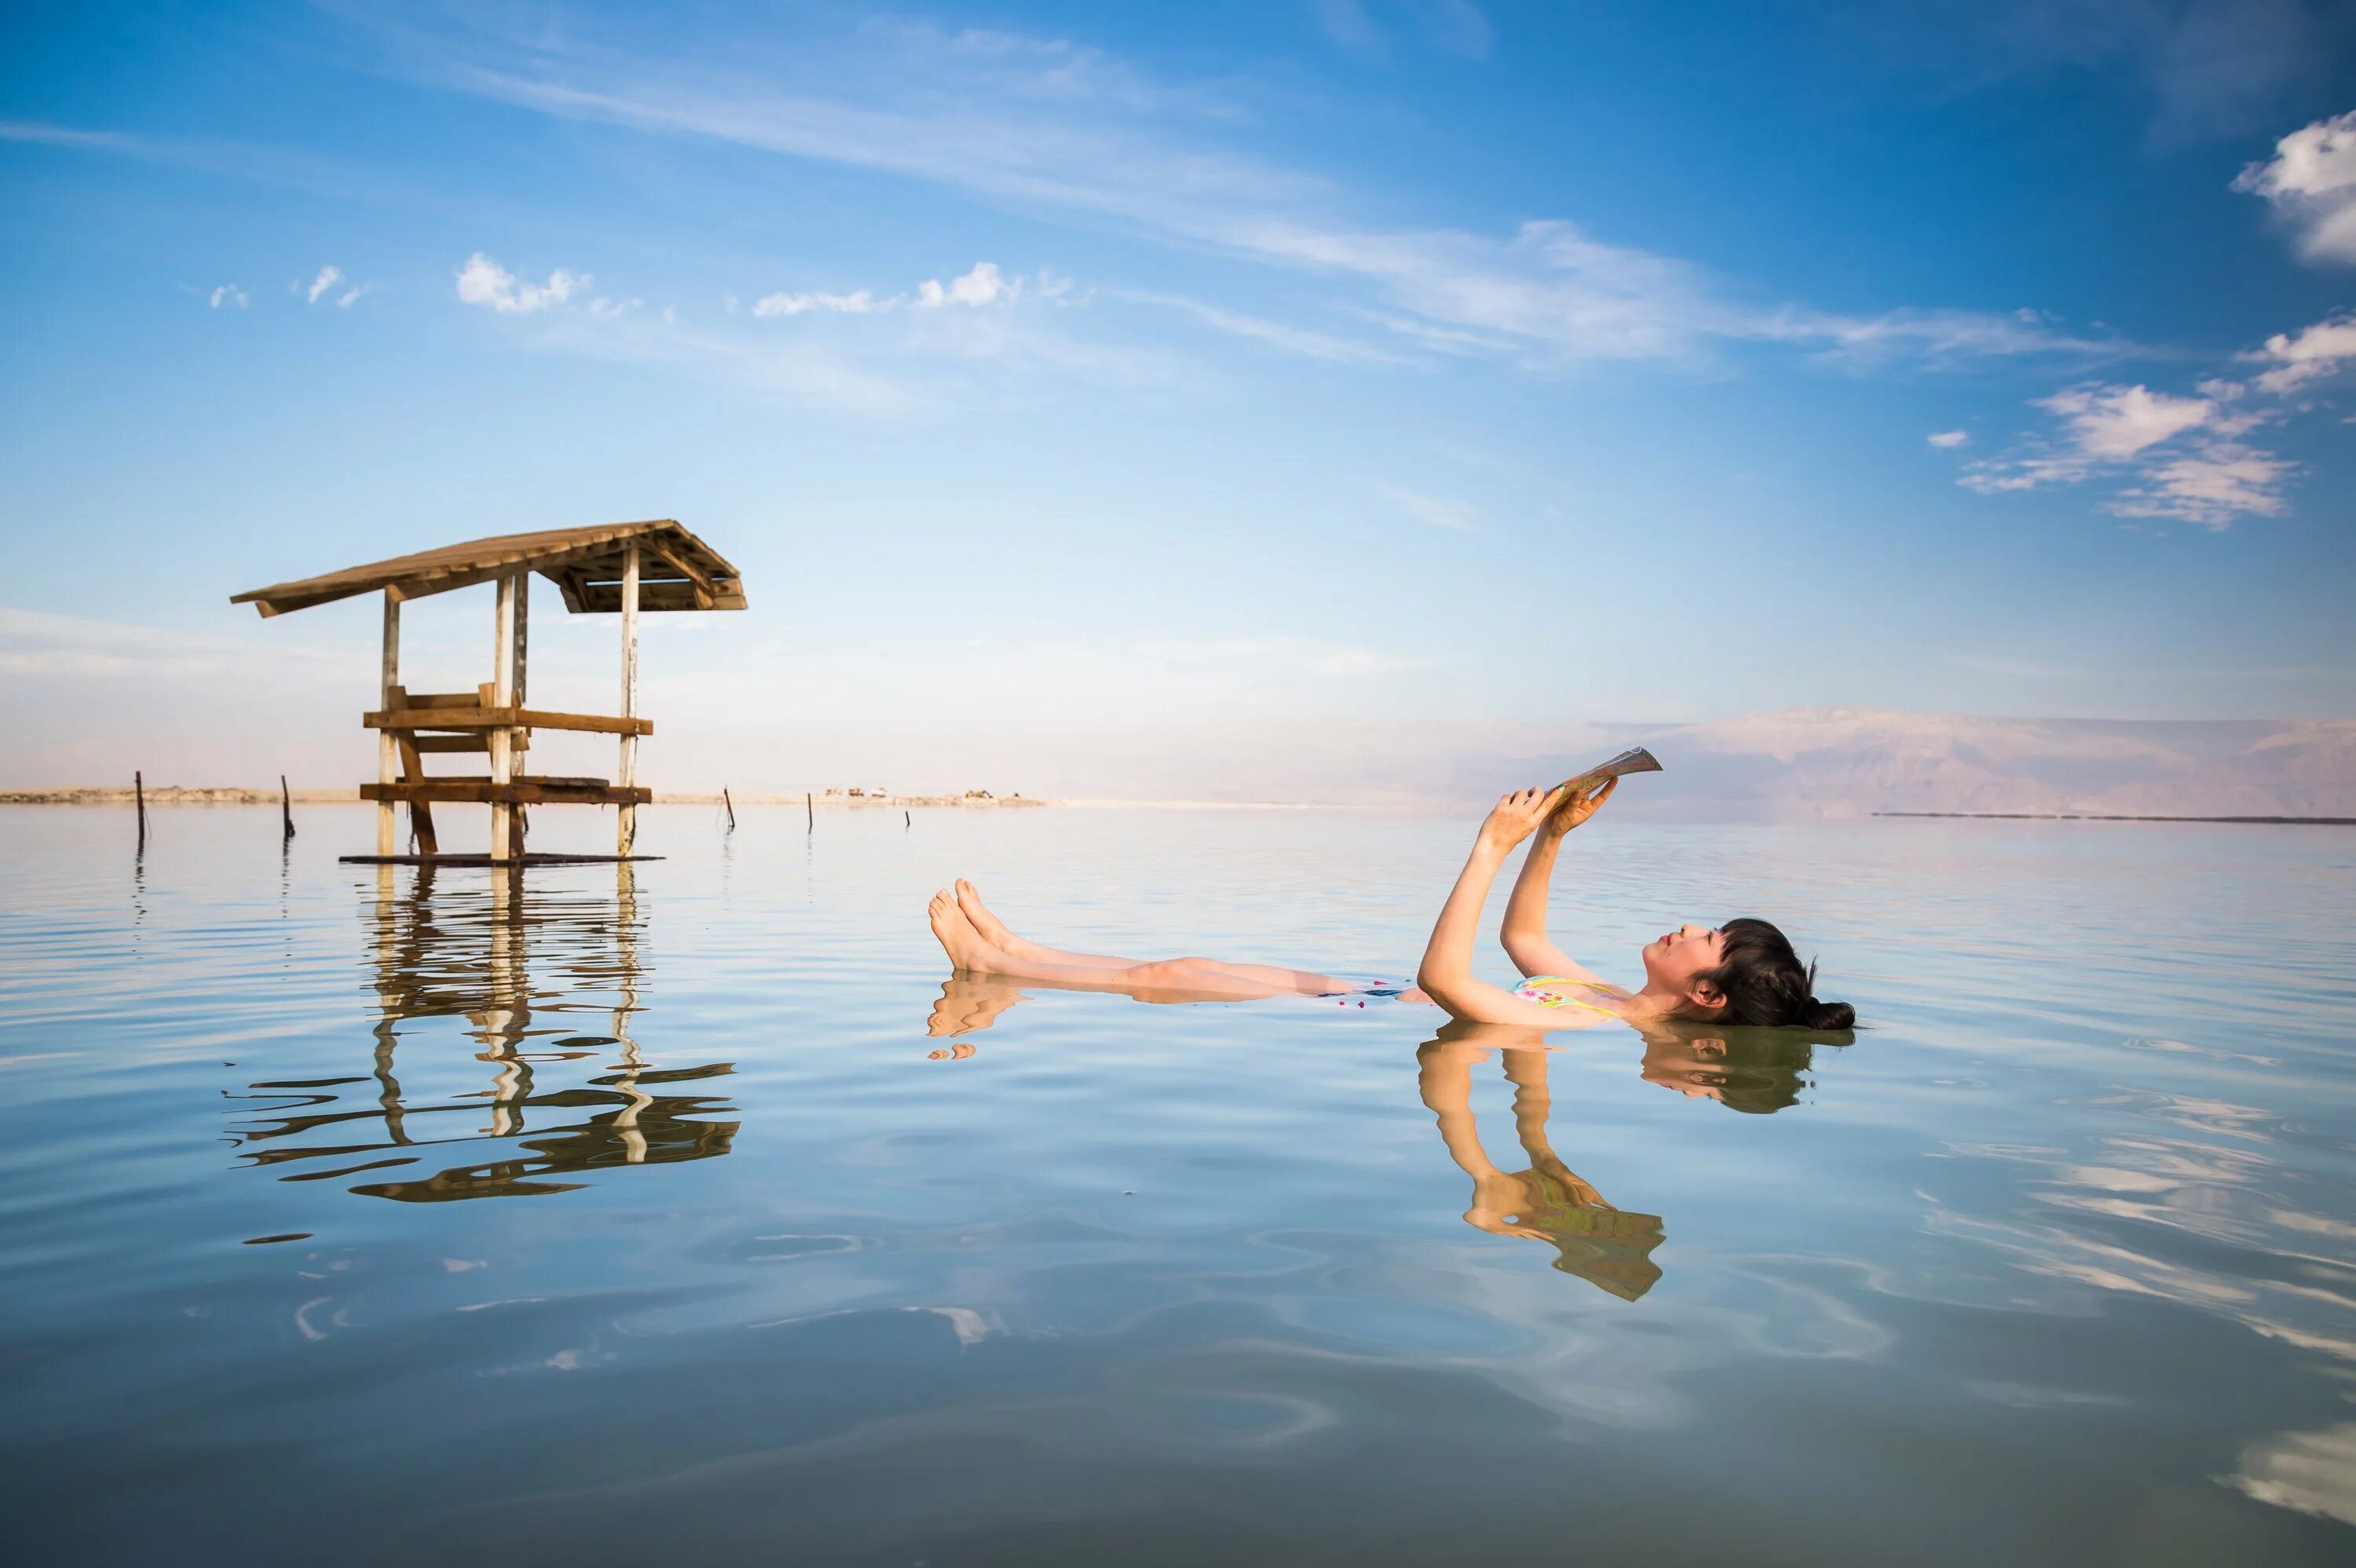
{"x": 1676, "y": 962}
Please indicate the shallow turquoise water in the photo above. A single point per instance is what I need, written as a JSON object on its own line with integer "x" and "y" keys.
{"x": 343, "y": 1221}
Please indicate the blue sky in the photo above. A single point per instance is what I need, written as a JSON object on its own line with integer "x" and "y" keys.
{"x": 1064, "y": 370}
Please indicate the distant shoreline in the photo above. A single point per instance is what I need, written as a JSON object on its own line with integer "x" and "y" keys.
{"x": 188, "y": 794}
{"x": 2110, "y": 817}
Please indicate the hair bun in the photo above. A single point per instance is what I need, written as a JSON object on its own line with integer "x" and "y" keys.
{"x": 1817, "y": 1015}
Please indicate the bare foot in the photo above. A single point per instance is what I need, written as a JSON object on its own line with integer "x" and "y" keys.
{"x": 992, "y": 929}
{"x": 957, "y": 935}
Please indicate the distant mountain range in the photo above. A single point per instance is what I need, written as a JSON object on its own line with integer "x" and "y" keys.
{"x": 1853, "y": 762}
{"x": 1812, "y": 762}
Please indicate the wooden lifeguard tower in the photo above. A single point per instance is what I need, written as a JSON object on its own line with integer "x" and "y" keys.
{"x": 612, "y": 568}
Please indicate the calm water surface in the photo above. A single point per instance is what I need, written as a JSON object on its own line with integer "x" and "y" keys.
{"x": 636, "y": 1219}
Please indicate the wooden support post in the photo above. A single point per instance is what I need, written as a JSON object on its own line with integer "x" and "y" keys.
{"x": 285, "y": 809}
{"x": 809, "y": 812}
{"x": 519, "y": 821}
{"x": 503, "y": 646}
{"x": 626, "y": 829}
{"x": 139, "y": 794}
{"x": 731, "y": 806}
{"x": 387, "y": 684}
{"x": 522, "y": 638}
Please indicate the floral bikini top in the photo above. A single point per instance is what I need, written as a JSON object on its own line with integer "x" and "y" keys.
{"x": 1559, "y": 991}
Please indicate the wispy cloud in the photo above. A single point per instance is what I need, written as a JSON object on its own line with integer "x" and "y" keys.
{"x": 330, "y": 280}
{"x": 2118, "y": 431}
{"x": 1305, "y": 341}
{"x": 2310, "y": 354}
{"x": 38, "y": 642}
{"x": 2177, "y": 457}
{"x": 1048, "y": 126}
{"x": 1457, "y": 26}
{"x": 227, "y": 296}
{"x": 41, "y": 133}
{"x": 1947, "y": 440}
{"x": 484, "y": 282}
{"x": 1457, "y": 517}
{"x": 2310, "y": 182}
{"x": 859, "y": 302}
{"x": 983, "y": 284}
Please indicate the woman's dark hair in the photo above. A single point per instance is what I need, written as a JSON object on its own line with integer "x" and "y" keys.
{"x": 1766, "y": 985}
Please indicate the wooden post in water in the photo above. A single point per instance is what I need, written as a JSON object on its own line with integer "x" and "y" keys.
{"x": 387, "y": 744}
{"x": 503, "y": 685}
{"x": 139, "y": 794}
{"x": 731, "y": 806}
{"x": 285, "y": 809}
{"x": 627, "y": 827}
{"x": 519, "y": 822}
{"x": 809, "y": 813}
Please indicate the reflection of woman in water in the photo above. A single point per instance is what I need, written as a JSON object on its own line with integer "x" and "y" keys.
{"x": 1742, "y": 973}
{"x": 1609, "y": 1248}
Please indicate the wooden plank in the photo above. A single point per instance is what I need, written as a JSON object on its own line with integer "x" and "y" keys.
{"x": 518, "y": 793}
{"x": 560, "y": 780}
{"x": 504, "y": 718}
{"x": 446, "y": 743}
{"x": 439, "y": 699}
{"x": 696, "y": 578}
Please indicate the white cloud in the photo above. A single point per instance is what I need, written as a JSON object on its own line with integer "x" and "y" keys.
{"x": 344, "y": 301}
{"x": 983, "y": 285}
{"x": 484, "y": 282}
{"x": 2117, "y": 422}
{"x": 2307, "y": 354}
{"x": 1947, "y": 439}
{"x": 2212, "y": 486}
{"x": 605, "y": 309}
{"x": 1457, "y": 517}
{"x": 859, "y": 302}
{"x": 2177, "y": 457}
{"x": 228, "y": 294}
{"x": 328, "y": 279}
{"x": 2311, "y": 182}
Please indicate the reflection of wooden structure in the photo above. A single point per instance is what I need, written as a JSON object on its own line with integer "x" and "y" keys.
{"x": 611, "y": 568}
{"x": 521, "y": 972}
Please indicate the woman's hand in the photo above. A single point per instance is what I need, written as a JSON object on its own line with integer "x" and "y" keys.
{"x": 1515, "y": 817}
{"x": 1577, "y": 808}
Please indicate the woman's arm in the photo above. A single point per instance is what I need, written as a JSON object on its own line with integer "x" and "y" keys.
{"x": 1446, "y": 975}
{"x": 1525, "y": 933}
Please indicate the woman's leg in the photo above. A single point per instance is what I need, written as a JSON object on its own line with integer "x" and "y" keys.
{"x": 1205, "y": 979}
{"x": 994, "y": 932}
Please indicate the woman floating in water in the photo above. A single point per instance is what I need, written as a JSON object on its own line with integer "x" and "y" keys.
{"x": 1742, "y": 973}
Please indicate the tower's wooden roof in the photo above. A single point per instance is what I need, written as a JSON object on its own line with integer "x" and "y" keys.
{"x": 676, "y": 570}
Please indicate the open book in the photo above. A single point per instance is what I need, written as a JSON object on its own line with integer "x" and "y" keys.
{"x": 1634, "y": 760}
